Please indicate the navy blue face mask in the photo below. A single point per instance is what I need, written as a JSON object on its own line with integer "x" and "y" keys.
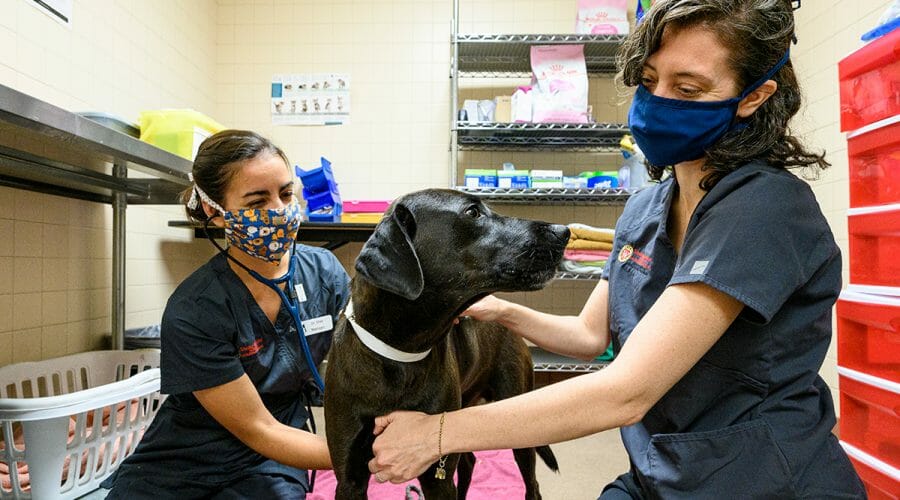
{"x": 671, "y": 131}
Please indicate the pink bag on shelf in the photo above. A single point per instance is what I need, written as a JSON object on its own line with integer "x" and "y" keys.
{"x": 560, "y": 82}
{"x": 602, "y": 17}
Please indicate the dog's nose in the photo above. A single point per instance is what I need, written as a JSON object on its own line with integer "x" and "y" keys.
{"x": 560, "y": 232}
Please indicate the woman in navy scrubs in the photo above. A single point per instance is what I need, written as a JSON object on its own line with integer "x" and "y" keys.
{"x": 234, "y": 422}
{"x": 717, "y": 297}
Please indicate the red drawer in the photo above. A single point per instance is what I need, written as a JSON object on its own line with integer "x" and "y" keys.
{"x": 874, "y": 153}
{"x": 868, "y": 329}
{"x": 870, "y": 83}
{"x": 881, "y": 480}
{"x": 870, "y": 415}
{"x": 875, "y": 245}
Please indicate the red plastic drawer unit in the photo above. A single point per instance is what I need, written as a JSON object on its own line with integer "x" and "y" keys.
{"x": 870, "y": 415}
{"x": 874, "y": 152}
{"x": 869, "y": 334}
{"x": 870, "y": 83}
{"x": 881, "y": 480}
{"x": 875, "y": 245}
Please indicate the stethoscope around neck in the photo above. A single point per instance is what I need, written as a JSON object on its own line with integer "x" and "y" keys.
{"x": 289, "y": 299}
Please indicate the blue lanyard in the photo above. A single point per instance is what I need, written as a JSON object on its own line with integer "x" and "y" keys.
{"x": 293, "y": 306}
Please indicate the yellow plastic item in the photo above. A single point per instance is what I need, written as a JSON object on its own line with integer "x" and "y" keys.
{"x": 178, "y": 131}
{"x": 362, "y": 217}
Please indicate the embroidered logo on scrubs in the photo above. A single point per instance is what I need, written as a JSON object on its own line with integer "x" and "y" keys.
{"x": 628, "y": 252}
{"x": 250, "y": 350}
{"x": 625, "y": 253}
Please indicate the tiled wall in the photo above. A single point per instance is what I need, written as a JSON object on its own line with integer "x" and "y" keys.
{"x": 117, "y": 57}
{"x": 829, "y": 30}
{"x": 397, "y": 55}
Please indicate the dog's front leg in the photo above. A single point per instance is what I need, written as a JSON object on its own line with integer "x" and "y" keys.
{"x": 440, "y": 489}
{"x": 352, "y": 473}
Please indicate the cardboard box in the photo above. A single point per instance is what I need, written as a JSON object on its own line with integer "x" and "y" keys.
{"x": 513, "y": 179}
{"x": 503, "y": 109}
{"x": 480, "y": 178}
{"x": 546, "y": 178}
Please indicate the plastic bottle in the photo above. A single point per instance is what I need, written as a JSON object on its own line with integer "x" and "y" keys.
{"x": 633, "y": 170}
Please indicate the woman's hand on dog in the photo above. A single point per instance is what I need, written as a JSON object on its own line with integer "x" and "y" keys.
{"x": 405, "y": 446}
{"x": 487, "y": 309}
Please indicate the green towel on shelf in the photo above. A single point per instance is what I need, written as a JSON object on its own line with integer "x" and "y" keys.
{"x": 608, "y": 355}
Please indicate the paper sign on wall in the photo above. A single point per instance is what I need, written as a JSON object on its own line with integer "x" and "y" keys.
{"x": 60, "y": 10}
{"x": 311, "y": 99}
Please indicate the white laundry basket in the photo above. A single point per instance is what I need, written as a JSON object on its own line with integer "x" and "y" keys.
{"x": 52, "y": 416}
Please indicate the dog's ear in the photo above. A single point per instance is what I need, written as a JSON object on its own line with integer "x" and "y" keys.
{"x": 389, "y": 260}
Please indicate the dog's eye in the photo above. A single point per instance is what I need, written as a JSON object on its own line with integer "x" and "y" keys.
{"x": 473, "y": 212}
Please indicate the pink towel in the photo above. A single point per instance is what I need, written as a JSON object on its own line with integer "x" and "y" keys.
{"x": 495, "y": 476}
{"x": 586, "y": 255}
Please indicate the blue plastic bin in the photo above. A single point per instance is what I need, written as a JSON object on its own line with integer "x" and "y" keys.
{"x": 318, "y": 179}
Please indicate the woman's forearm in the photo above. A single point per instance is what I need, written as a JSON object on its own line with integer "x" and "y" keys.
{"x": 291, "y": 446}
{"x": 569, "y": 409}
{"x": 566, "y": 335}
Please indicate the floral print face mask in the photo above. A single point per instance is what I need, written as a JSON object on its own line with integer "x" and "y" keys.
{"x": 267, "y": 234}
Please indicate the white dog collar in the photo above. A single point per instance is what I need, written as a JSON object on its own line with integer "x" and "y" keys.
{"x": 379, "y": 347}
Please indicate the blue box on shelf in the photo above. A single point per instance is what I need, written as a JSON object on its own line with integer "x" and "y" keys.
{"x": 325, "y": 214}
{"x": 603, "y": 181}
{"x": 323, "y": 201}
{"x": 318, "y": 179}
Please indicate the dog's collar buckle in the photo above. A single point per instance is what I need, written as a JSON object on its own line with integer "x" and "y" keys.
{"x": 377, "y": 346}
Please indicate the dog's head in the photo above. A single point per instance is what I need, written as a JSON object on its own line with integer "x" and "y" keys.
{"x": 453, "y": 243}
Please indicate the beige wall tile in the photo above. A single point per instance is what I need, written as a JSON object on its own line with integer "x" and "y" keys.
{"x": 55, "y": 274}
{"x": 54, "y": 309}
{"x": 78, "y": 305}
{"x": 28, "y": 238}
{"x": 6, "y": 314}
{"x": 26, "y": 271}
{"x": 53, "y": 341}
{"x": 7, "y": 242}
{"x": 6, "y": 346}
{"x": 27, "y": 345}
{"x": 26, "y": 310}
{"x": 6, "y": 275}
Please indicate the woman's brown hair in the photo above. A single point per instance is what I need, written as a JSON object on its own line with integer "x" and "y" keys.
{"x": 219, "y": 159}
{"x": 756, "y": 33}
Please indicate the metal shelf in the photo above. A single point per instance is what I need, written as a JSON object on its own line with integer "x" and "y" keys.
{"x": 73, "y": 150}
{"x": 570, "y": 276}
{"x": 552, "y": 196}
{"x": 509, "y": 55}
{"x": 544, "y": 361}
{"x": 540, "y": 136}
{"x": 50, "y": 150}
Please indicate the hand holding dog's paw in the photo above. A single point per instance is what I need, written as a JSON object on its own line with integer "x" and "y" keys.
{"x": 406, "y": 445}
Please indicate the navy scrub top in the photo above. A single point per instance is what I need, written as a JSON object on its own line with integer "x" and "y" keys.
{"x": 212, "y": 332}
{"x": 752, "y": 418}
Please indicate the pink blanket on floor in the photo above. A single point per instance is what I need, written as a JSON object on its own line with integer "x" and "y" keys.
{"x": 495, "y": 476}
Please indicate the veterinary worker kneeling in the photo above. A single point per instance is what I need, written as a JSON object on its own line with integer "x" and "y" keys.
{"x": 717, "y": 297}
{"x": 236, "y": 366}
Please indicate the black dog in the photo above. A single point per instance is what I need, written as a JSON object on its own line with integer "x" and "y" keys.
{"x": 434, "y": 254}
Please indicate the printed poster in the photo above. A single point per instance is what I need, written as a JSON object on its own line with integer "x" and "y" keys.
{"x": 311, "y": 99}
